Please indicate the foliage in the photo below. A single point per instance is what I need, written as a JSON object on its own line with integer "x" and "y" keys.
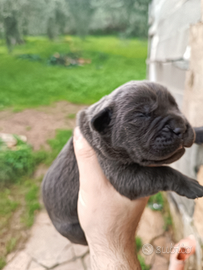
{"x": 31, "y": 57}
{"x": 10, "y": 13}
{"x": 22, "y": 161}
{"x": 156, "y": 202}
{"x": 82, "y": 11}
{"x": 26, "y": 84}
{"x": 142, "y": 263}
{"x": 16, "y": 162}
{"x": 56, "y": 17}
{"x": 67, "y": 60}
{"x": 168, "y": 222}
{"x": 127, "y": 17}
{"x": 138, "y": 243}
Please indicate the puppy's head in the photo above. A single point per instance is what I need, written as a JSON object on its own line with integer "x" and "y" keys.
{"x": 142, "y": 123}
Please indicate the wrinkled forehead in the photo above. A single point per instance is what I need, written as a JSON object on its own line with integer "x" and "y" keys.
{"x": 148, "y": 96}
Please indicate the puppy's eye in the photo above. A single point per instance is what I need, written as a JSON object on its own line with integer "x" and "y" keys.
{"x": 143, "y": 114}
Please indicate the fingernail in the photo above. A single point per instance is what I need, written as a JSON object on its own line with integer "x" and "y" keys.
{"x": 77, "y": 134}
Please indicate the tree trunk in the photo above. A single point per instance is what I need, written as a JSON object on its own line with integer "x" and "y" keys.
{"x": 51, "y": 31}
{"x": 12, "y": 34}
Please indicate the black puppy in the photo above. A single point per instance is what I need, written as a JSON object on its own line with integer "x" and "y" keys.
{"x": 134, "y": 131}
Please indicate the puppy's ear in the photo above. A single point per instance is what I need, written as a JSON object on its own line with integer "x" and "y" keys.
{"x": 101, "y": 120}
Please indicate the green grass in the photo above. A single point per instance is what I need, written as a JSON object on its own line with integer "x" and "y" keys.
{"x": 144, "y": 266}
{"x": 11, "y": 244}
{"x": 138, "y": 243}
{"x": 159, "y": 202}
{"x": 56, "y": 145}
{"x": 71, "y": 116}
{"x": 31, "y": 202}
{"x": 7, "y": 203}
{"x": 62, "y": 136}
{"x": 26, "y": 84}
{"x": 21, "y": 197}
{"x": 2, "y": 262}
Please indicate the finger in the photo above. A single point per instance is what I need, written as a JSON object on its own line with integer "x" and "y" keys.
{"x": 181, "y": 252}
{"x": 187, "y": 248}
{"x": 91, "y": 174}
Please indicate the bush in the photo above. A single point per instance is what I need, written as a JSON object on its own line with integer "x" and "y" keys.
{"x": 22, "y": 160}
{"x": 15, "y": 162}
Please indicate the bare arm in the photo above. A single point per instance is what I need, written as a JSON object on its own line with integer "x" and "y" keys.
{"x": 108, "y": 219}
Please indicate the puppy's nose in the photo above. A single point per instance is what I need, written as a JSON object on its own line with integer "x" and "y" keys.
{"x": 179, "y": 131}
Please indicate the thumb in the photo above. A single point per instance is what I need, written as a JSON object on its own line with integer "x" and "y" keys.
{"x": 91, "y": 174}
{"x": 83, "y": 150}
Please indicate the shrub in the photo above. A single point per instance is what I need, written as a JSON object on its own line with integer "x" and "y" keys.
{"x": 15, "y": 162}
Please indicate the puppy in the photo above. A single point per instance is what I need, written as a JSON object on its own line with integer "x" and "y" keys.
{"x": 135, "y": 130}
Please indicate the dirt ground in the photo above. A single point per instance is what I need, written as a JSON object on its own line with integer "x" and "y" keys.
{"x": 39, "y": 124}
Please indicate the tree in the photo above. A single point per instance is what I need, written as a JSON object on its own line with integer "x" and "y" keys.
{"x": 9, "y": 14}
{"x": 81, "y": 12}
{"x": 57, "y": 16}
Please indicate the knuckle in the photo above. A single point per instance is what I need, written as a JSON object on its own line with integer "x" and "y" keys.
{"x": 86, "y": 153}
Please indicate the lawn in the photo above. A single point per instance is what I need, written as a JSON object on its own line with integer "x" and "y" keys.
{"x": 26, "y": 84}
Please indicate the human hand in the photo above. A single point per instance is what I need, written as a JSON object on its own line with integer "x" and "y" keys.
{"x": 108, "y": 219}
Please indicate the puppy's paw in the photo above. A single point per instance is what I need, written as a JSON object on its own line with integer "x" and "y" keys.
{"x": 191, "y": 189}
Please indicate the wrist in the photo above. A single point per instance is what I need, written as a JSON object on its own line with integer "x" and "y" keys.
{"x": 110, "y": 255}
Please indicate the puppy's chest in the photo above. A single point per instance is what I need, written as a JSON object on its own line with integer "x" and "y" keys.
{"x": 113, "y": 170}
